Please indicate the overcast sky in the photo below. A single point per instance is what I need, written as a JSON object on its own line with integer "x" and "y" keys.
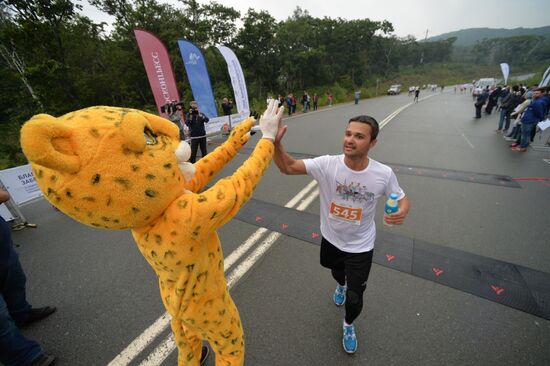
{"x": 407, "y": 16}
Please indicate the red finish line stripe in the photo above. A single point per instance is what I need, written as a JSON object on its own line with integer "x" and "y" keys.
{"x": 532, "y": 178}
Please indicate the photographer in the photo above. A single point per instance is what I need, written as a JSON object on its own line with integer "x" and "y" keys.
{"x": 174, "y": 112}
{"x": 195, "y": 120}
{"x": 227, "y": 106}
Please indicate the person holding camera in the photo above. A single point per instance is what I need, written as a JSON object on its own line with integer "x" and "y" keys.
{"x": 174, "y": 112}
{"x": 195, "y": 120}
{"x": 227, "y": 106}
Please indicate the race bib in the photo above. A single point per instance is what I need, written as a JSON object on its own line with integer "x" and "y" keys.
{"x": 351, "y": 215}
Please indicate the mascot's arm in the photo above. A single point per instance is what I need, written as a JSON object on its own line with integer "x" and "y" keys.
{"x": 217, "y": 205}
{"x": 209, "y": 166}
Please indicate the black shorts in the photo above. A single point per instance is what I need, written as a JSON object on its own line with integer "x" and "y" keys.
{"x": 356, "y": 265}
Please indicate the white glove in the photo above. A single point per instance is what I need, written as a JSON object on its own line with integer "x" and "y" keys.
{"x": 183, "y": 153}
{"x": 269, "y": 121}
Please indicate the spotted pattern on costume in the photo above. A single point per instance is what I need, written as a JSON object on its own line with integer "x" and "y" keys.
{"x": 123, "y": 183}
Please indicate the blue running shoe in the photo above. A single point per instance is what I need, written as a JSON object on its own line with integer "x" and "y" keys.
{"x": 349, "y": 340}
{"x": 339, "y": 296}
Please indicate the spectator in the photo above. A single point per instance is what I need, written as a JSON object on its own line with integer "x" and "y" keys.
{"x": 315, "y": 101}
{"x": 503, "y": 94}
{"x": 533, "y": 114}
{"x": 515, "y": 133}
{"x": 480, "y": 101}
{"x": 492, "y": 101}
{"x": 356, "y": 96}
{"x": 329, "y": 100}
{"x": 289, "y": 104}
{"x": 512, "y": 100}
{"x": 227, "y": 106}
{"x": 15, "y": 311}
{"x": 305, "y": 102}
{"x": 416, "y": 94}
{"x": 195, "y": 120}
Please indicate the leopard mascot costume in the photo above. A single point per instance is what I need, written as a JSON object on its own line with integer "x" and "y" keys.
{"x": 119, "y": 168}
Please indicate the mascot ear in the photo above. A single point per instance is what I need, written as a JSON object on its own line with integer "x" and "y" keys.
{"x": 136, "y": 125}
{"x": 47, "y": 142}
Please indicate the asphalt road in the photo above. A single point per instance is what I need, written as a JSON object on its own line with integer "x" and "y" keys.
{"x": 107, "y": 295}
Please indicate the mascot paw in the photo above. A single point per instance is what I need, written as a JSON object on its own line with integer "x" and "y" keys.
{"x": 240, "y": 134}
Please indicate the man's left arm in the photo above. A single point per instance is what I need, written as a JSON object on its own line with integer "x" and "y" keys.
{"x": 397, "y": 218}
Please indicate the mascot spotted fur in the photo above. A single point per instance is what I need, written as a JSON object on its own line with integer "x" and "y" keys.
{"x": 119, "y": 168}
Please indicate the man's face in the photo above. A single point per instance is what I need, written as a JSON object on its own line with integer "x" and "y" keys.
{"x": 536, "y": 94}
{"x": 357, "y": 140}
{"x": 194, "y": 105}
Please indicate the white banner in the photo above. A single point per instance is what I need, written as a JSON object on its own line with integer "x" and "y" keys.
{"x": 5, "y": 213}
{"x": 545, "y": 78}
{"x": 216, "y": 124}
{"x": 20, "y": 183}
{"x": 237, "y": 79}
{"x": 505, "y": 71}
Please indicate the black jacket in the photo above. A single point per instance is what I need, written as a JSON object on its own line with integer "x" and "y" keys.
{"x": 196, "y": 122}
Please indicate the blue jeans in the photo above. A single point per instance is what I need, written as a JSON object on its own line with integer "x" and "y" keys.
{"x": 504, "y": 116}
{"x": 526, "y": 130}
{"x": 15, "y": 349}
{"x": 515, "y": 133}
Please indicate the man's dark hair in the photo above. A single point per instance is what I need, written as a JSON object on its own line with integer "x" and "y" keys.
{"x": 515, "y": 88}
{"x": 370, "y": 121}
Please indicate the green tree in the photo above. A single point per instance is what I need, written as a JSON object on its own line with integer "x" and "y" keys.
{"x": 255, "y": 47}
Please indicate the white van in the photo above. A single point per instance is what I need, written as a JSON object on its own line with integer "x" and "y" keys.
{"x": 394, "y": 89}
{"x": 486, "y": 82}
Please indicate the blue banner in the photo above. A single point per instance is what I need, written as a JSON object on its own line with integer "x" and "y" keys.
{"x": 199, "y": 80}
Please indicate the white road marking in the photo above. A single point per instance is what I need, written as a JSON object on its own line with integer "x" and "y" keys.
{"x": 257, "y": 235}
{"x": 245, "y": 265}
{"x": 139, "y": 344}
{"x": 386, "y": 120}
{"x": 144, "y": 339}
{"x": 163, "y": 350}
{"x": 159, "y": 354}
{"x": 468, "y": 141}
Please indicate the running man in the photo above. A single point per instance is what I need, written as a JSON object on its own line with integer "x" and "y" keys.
{"x": 349, "y": 185}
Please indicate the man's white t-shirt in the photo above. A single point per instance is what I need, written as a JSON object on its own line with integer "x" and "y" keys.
{"x": 348, "y": 200}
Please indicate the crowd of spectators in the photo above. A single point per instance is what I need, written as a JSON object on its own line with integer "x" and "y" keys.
{"x": 520, "y": 107}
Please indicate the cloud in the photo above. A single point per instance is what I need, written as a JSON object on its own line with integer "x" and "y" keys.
{"x": 407, "y": 16}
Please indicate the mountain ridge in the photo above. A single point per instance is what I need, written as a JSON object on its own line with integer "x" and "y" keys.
{"x": 470, "y": 36}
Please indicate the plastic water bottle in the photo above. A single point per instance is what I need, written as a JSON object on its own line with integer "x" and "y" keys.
{"x": 391, "y": 206}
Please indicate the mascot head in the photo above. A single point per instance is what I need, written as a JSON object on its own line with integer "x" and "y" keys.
{"x": 107, "y": 167}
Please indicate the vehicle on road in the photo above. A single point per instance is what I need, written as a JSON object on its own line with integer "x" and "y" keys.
{"x": 394, "y": 89}
{"x": 486, "y": 82}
